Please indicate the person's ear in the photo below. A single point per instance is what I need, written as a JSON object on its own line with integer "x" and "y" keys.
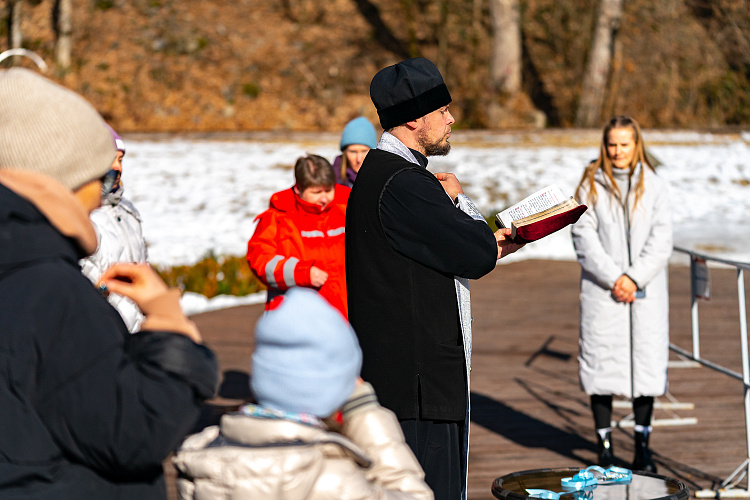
{"x": 296, "y": 190}
{"x": 414, "y": 124}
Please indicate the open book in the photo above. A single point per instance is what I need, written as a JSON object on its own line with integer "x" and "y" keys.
{"x": 540, "y": 214}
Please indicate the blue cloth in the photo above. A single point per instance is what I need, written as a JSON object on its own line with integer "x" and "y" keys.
{"x": 584, "y": 481}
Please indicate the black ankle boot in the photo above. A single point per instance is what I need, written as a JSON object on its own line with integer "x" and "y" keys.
{"x": 642, "y": 460}
{"x": 606, "y": 454}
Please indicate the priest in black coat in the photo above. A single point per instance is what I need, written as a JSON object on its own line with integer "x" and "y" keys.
{"x": 406, "y": 243}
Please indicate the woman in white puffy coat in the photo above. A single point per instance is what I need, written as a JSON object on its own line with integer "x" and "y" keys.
{"x": 623, "y": 243}
{"x": 119, "y": 239}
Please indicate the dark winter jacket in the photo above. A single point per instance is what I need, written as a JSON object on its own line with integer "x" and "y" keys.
{"x": 405, "y": 243}
{"x": 87, "y": 411}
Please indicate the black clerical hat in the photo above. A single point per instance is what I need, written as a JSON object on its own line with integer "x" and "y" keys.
{"x": 408, "y": 90}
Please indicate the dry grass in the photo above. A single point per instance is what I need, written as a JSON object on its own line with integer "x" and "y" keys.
{"x": 301, "y": 65}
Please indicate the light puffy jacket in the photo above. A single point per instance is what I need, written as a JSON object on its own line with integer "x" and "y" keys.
{"x": 248, "y": 457}
{"x": 601, "y": 238}
{"x": 294, "y": 235}
{"x": 120, "y": 239}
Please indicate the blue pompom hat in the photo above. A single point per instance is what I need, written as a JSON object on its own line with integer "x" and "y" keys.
{"x": 306, "y": 358}
{"x": 358, "y": 131}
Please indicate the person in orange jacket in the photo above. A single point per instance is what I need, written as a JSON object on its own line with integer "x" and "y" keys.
{"x": 299, "y": 240}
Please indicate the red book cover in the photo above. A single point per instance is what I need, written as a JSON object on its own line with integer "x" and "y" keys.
{"x": 541, "y": 228}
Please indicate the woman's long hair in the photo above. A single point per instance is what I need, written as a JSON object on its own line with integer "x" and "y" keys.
{"x": 605, "y": 164}
{"x": 344, "y": 165}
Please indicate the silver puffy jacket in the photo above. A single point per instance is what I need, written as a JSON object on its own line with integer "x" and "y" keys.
{"x": 120, "y": 239}
{"x": 247, "y": 457}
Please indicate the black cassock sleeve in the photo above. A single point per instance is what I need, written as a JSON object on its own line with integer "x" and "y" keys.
{"x": 421, "y": 222}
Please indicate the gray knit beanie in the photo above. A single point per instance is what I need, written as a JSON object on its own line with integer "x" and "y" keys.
{"x": 49, "y": 129}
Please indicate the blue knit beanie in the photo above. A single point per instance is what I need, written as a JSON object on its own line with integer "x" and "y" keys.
{"x": 358, "y": 131}
{"x": 306, "y": 357}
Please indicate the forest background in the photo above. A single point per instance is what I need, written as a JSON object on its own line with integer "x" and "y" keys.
{"x": 306, "y": 65}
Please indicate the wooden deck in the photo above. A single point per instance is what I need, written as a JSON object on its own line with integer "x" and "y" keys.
{"x": 528, "y": 411}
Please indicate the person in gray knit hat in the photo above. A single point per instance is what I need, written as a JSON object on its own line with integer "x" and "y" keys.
{"x": 413, "y": 239}
{"x": 93, "y": 411}
{"x": 43, "y": 128}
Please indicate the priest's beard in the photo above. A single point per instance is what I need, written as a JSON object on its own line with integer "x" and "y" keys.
{"x": 441, "y": 147}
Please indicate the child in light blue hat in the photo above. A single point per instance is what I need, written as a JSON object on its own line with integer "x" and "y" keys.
{"x": 307, "y": 357}
{"x": 357, "y": 139}
{"x": 305, "y": 368}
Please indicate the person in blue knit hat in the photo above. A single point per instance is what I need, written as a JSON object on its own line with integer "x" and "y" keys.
{"x": 357, "y": 139}
{"x": 305, "y": 368}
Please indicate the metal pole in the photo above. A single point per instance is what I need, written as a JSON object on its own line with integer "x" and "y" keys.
{"x": 694, "y": 311}
{"x": 727, "y": 487}
{"x": 745, "y": 363}
{"x": 632, "y": 357}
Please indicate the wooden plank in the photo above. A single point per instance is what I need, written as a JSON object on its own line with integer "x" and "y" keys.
{"x": 528, "y": 411}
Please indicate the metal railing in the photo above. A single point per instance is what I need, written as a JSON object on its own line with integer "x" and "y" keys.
{"x": 727, "y": 488}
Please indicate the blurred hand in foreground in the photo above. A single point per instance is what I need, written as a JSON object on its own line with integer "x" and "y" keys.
{"x": 138, "y": 282}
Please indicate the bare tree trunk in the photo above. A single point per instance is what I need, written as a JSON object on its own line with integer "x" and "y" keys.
{"x": 63, "y": 29}
{"x": 598, "y": 67}
{"x": 381, "y": 32}
{"x": 505, "y": 63}
{"x": 15, "y": 36}
{"x": 442, "y": 33}
{"x": 613, "y": 100}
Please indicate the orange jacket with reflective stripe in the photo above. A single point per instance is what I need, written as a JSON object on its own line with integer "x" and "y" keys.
{"x": 294, "y": 235}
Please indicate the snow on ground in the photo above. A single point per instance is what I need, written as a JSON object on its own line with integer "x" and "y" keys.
{"x": 200, "y": 194}
{"x": 194, "y": 303}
